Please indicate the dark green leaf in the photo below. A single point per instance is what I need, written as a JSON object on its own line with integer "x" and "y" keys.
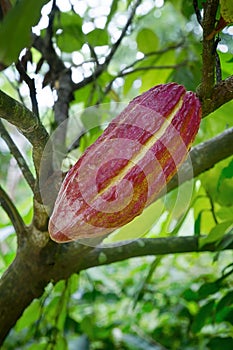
{"x": 218, "y": 343}
{"x": 227, "y": 173}
{"x": 207, "y": 289}
{"x": 97, "y": 37}
{"x": 15, "y": 30}
{"x": 226, "y": 301}
{"x": 190, "y": 295}
{"x": 187, "y": 8}
{"x": 197, "y": 224}
{"x": 203, "y": 316}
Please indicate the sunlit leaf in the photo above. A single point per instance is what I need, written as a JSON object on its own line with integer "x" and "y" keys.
{"x": 216, "y": 233}
{"x": 147, "y": 40}
{"x": 30, "y": 315}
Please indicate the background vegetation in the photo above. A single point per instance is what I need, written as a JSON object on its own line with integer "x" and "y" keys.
{"x": 173, "y": 287}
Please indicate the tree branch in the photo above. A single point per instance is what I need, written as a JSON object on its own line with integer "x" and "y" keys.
{"x": 129, "y": 70}
{"x": 147, "y": 246}
{"x": 12, "y": 212}
{"x": 27, "y": 123}
{"x": 221, "y": 94}
{"x": 208, "y": 50}
{"x": 123, "y": 33}
{"x": 102, "y": 67}
{"x": 18, "y": 156}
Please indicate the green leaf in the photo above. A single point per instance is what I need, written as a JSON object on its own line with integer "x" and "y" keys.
{"x": 224, "y": 185}
{"x": 226, "y": 9}
{"x": 227, "y": 241}
{"x": 15, "y": 30}
{"x": 187, "y": 8}
{"x": 224, "y": 309}
{"x": 97, "y": 37}
{"x": 216, "y": 233}
{"x": 147, "y": 40}
{"x": 220, "y": 343}
{"x": 87, "y": 326}
{"x": 139, "y": 226}
{"x": 225, "y": 213}
{"x": 30, "y": 315}
{"x": 71, "y": 38}
{"x": 160, "y": 75}
{"x": 197, "y": 224}
{"x": 226, "y": 301}
{"x": 188, "y": 75}
{"x": 208, "y": 289}
{"x": 202, "y": 317}
{"x": 190, "y": 295}
{"x": 42, "y": 346}
{"x": 67, "y": 42}
{"x": 177, "y": 4}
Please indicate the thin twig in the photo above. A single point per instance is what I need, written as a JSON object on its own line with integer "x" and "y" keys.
{"x": 31, "y": 85}
{"x": 129, "y": 68}
{"x": 123, "y": 33}
{"x": 102, "y": 67}
{"x": 218, "y": 68}
{"x": 197, "y": 11}
{"x": 208, "y": 52}
{"x": 154, "y": 53}
{"x": 18, "y": 156}
{"x": 12, "y": 212}
{"x": 145, "y": 280}
{"x": 212, "y": 207}
{"x": 125, "y": 72}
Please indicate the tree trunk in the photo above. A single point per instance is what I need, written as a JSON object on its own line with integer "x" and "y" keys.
{"x": 18, "y": 286}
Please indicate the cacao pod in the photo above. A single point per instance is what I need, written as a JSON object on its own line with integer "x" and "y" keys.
{"x": 128, "y": 166}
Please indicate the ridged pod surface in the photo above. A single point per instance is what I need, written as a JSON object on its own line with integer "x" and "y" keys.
{"x": 127, "y": 167}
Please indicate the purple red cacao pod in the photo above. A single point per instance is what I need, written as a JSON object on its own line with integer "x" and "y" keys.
{"x": 128, "y": 166}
